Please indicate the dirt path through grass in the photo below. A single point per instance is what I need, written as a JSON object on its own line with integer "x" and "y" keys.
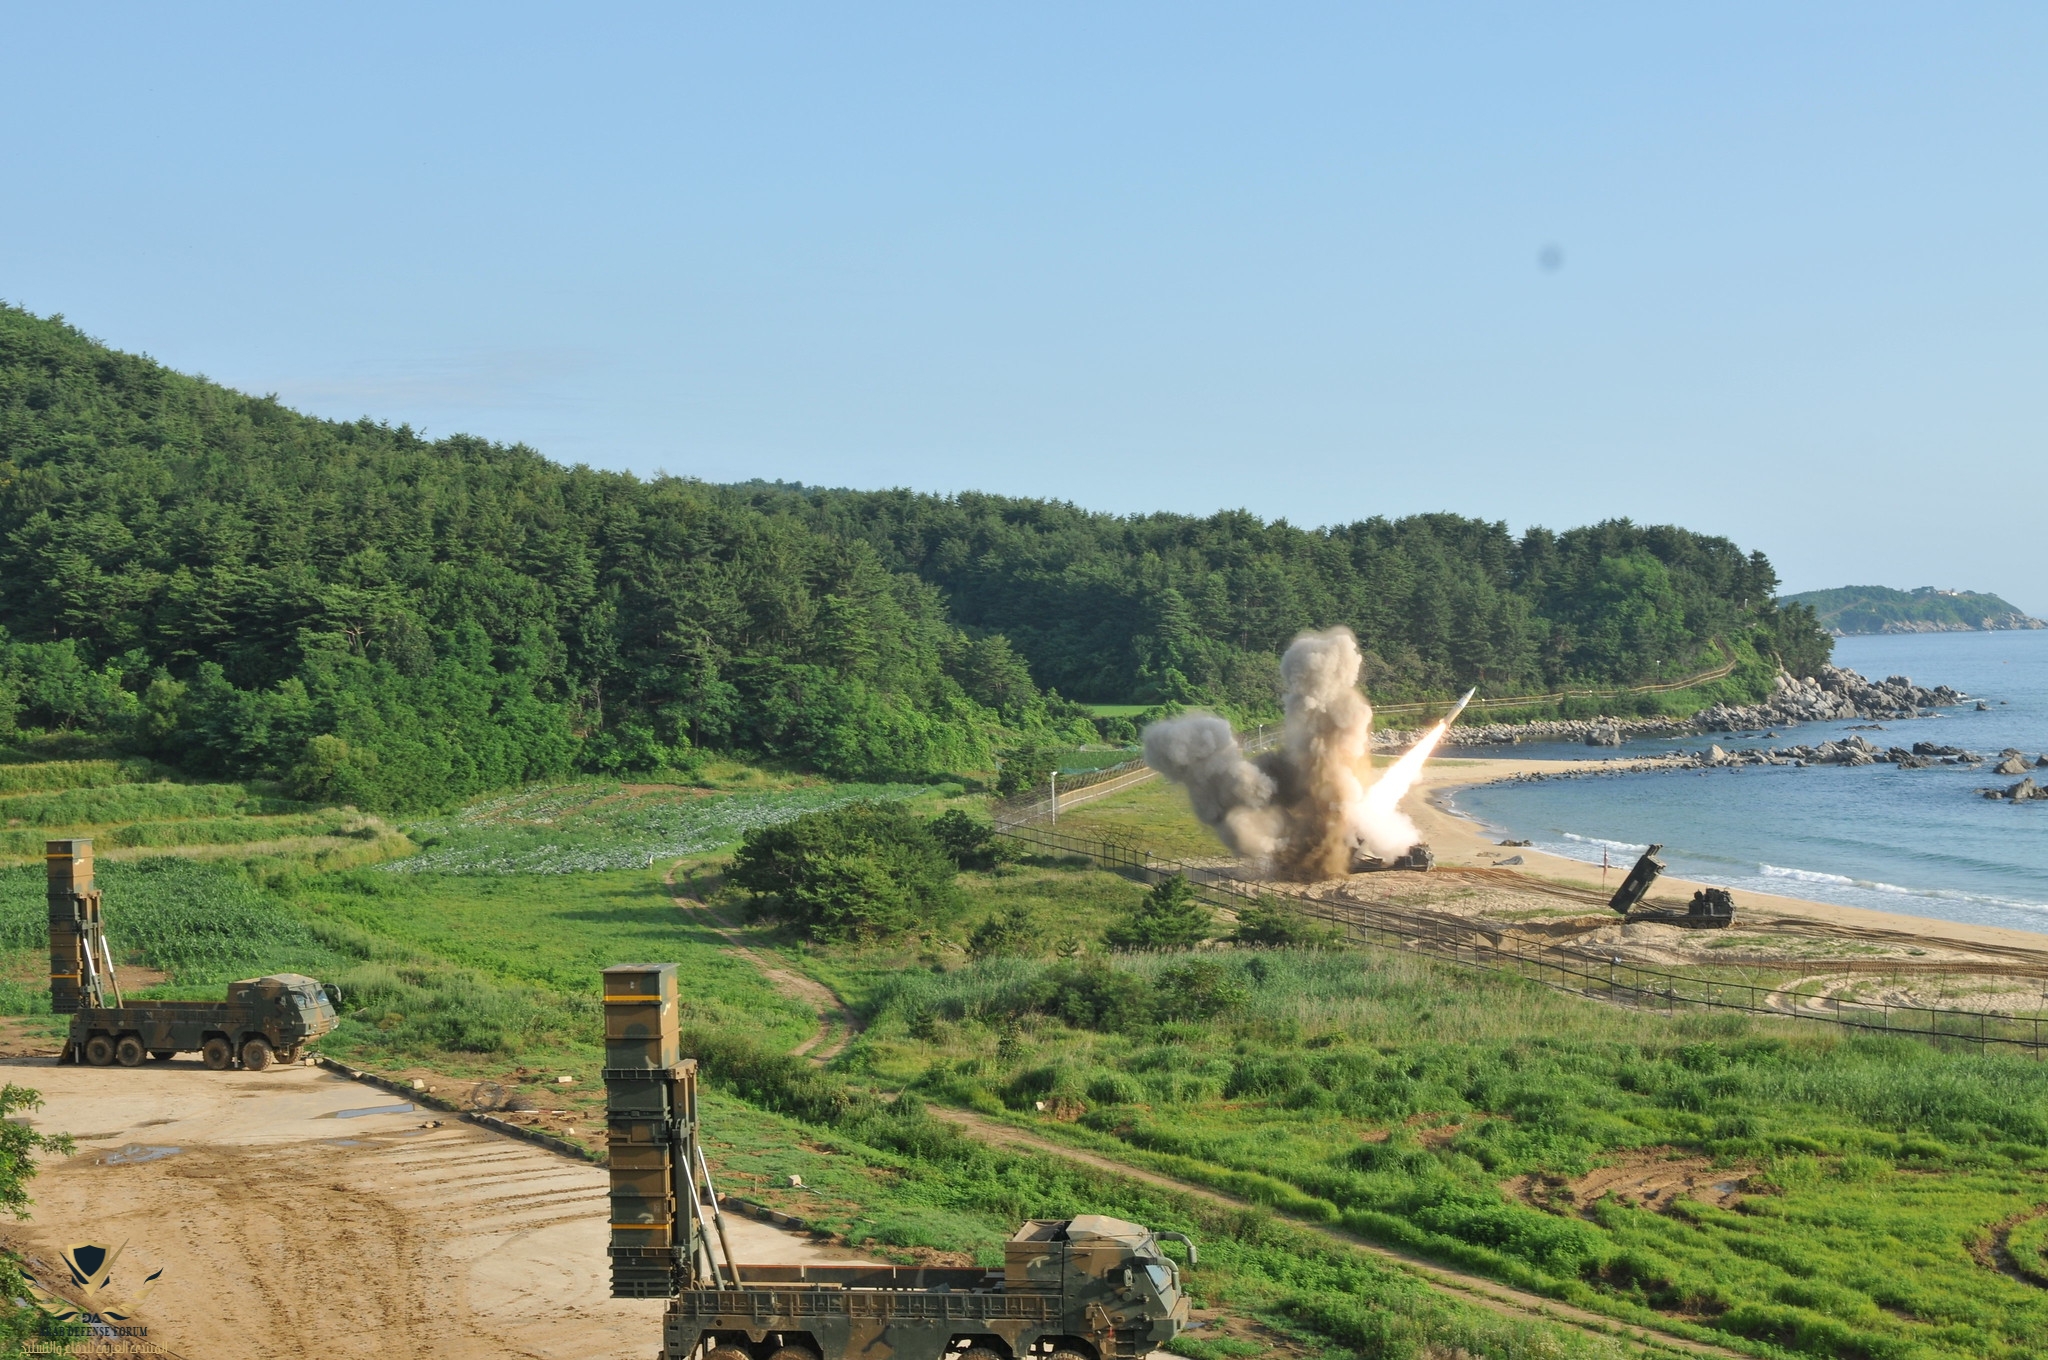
{"x": 1475, "y": 1289}
{"x": 837, "y": 1024}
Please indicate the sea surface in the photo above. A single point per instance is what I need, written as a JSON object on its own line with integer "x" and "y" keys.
{"x": 1915, "y": 842}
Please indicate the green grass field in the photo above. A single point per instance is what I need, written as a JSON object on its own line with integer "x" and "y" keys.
{"x": 1781, "y": 1190}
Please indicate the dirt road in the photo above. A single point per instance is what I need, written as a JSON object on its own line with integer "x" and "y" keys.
{"x": 296, "y": 1213}
{"x": 837, "y": 1024}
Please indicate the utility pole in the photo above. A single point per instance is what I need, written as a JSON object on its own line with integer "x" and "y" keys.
{"x": 1055, "y": 797}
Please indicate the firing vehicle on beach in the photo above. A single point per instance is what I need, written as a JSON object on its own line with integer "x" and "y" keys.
{"x": 261, "y": 1020}
{"x": 1084, "y": 1288}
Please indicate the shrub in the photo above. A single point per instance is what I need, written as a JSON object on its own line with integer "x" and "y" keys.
{"x": 972, "y": 844}
{"x": 861, "y": 871}
{"x": 1168, "y": 917}
{"x": 1024, "y": 768}
{"x": 1269, "y": 925}
{"x": 1011, "y": 931}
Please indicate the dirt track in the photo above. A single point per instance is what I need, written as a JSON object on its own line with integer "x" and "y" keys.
{"x": 286, "y": 1227}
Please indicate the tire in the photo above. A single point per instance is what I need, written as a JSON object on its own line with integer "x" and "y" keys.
{"x": 1069, "y": 1353}
{"x": 728, "y": 1351}
{"x": 798, "y": 1352}
{"x": 218, "y": 1054}
{"x": 982, "y": 1353}
{"x": 99, "y": 1050}
{"x": 162, "y": 1054}
{"x": 288, "y": 1056}
{"x": 256, "y": 1055}
{"x": 130, "y": 1052}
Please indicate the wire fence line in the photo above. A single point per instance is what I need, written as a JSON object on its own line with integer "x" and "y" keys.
{"x": 1562, "y": 968}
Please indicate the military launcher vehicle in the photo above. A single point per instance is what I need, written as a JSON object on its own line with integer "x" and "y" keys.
{"x": 263, "y": 1020}
{"x": 1084, "y": 1288}
{"x": 1710, "y": 908}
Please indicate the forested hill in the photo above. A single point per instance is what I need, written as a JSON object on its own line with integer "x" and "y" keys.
{"x": 1173, "y": 607}
{"x": 390, "y": 621}
{"x": 1852, "y": 610}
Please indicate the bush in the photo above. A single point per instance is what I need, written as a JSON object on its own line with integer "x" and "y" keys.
{"x": 972, "y": 844}
{"x": 1007, "y": 932}
{"x": 1168, "y": 917}
{"x": 862, "y": 871}
{"x": 1024, "y": 769}
{"x": 1268, "y": 925}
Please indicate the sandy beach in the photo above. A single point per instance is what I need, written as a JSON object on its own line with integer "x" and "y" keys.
{"x": 1463, "y": 842}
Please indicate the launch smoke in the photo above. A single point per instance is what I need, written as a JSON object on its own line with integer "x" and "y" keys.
{"x": 1308, "y": 807}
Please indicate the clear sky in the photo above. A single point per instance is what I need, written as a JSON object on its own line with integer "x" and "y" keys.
{"x": 1774, "y": 271}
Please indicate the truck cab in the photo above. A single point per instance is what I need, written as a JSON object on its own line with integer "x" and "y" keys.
{"x": 289, "y": 1008}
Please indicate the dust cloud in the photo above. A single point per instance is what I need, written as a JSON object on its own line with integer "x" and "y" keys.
{"x": 1307, "y": 808}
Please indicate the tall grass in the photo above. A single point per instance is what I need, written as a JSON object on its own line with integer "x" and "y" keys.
{"x": 1403, "y": 1098}
{"x": 197, "y": 831}
{"x": 134, "y": 802}
{"x": 73, "y": 774}
{"x": 588, "y": 828}
{"x": 890, "y": 1173}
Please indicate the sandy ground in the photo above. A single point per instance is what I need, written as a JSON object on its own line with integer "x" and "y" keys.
{"x": 1459, "y": 840}
{"x": 286, "y": 1224}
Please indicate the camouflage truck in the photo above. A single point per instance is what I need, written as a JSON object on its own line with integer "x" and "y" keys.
{"x": 261, "y": 1021}
{"x": 1084, "y": 1288}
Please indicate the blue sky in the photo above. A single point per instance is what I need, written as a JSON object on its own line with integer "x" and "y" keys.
{"x": 1778, "y": 272}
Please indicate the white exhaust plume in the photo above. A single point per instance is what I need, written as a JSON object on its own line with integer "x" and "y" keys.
{"x": 1306, "y": 809}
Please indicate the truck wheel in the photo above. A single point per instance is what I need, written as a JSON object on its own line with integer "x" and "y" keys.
{"x": 981, "y": 1353}
{"x": 99, "y": 1050}
{"x": 129, "y": 1052}
{"x": 793, "y": 1353}
{"x": 1068, "y": 1353}
{"x": 256, "y": 1055}
{"x": 218, "y": 1054}
{"x": 728, "y": 1352}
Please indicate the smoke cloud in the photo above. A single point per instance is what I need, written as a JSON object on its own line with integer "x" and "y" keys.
{"x": 1305, "y": 808}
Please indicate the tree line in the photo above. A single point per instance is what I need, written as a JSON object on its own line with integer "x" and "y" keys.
{"x": 379, "y": 618}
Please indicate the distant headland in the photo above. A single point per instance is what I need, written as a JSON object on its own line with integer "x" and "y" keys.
{"x": 1853, "y": 611}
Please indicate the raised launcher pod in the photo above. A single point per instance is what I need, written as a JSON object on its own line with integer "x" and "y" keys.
{"x": 78, "y": 950}
{"x": 1630, "y": 894}
{"x": 651, "y": 1127}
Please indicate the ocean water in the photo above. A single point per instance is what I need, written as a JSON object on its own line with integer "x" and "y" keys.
{"x": 1915, "y": 842}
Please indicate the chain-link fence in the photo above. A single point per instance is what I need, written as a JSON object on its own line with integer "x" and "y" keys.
{"x": 1566, "y": 968}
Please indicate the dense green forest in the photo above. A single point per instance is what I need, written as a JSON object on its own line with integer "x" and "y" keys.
{"x": 1157, "y": 608}
{"x": 379, "y": 619}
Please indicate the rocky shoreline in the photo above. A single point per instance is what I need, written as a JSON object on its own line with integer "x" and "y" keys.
{"x": 1835, "y": 695}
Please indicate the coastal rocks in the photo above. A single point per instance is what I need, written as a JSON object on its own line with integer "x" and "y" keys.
{"x": 1569, "y": 731}
{"x": 1835, "y": 695}
{"x": 2024, "y": 791}
{"x": 2011, "y": 765}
